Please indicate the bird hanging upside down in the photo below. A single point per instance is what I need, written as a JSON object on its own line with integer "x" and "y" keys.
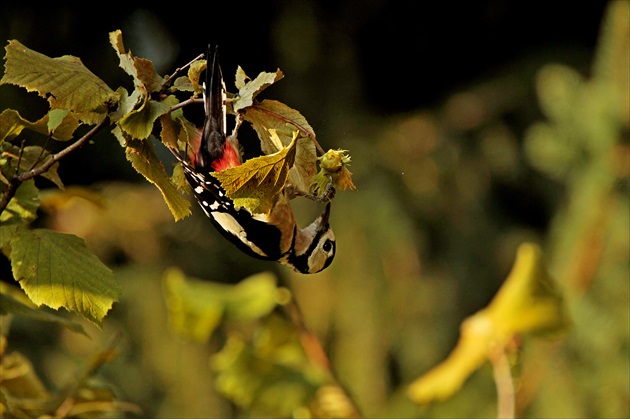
{"x": 274, "y": 236}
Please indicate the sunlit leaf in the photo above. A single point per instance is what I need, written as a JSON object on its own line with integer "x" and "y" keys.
{"x": 275, "y": 123}
{"x": 528, "y": 302}
{"x": 60, "y": 123}
{"x": 194, "y": 72}
{"x": 256, "y": 183}
{"x": 57, "y": 270}
{"x": 146, "y": 162}
{"x": 64, "y": 81}
{"x": 271, "y": 114}
{"x": 10, "y": 302}
{"x": 249, "y": 89}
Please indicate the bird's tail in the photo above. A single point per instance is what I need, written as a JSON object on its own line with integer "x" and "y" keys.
{"x": 215, "y": 153}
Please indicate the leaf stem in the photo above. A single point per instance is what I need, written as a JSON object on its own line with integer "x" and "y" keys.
{"x": 504, "y": 383}
{"x": 180, "y": 69}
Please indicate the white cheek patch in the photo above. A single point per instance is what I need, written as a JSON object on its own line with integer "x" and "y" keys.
{"x": 229, "y": 224}
{"x": 319, "y": 257}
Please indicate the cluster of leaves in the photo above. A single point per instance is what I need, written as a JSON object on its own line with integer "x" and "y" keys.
{"x": 267, "y": 364}
{"x": 57, "y": 270}
{"x": 78, "y": 97}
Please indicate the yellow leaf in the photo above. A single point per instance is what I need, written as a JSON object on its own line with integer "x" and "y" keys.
{"x": 249, "y": 89}
{"x": 275, "y": 123}
{"x": 446, "y": 378}
{"x": 145, "y": 161}
{"x": 526, "y": 303}
{"x": 257, "y": 183}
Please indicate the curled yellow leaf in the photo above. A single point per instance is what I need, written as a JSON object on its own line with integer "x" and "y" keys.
{"x": 528, "y": 302}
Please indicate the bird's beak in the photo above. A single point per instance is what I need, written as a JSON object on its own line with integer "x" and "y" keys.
{"x": 323, "y": 219}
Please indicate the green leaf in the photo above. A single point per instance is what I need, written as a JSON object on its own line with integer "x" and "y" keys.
{"x": 64, "y": 81}
{"x": 57, "y": 270}
{"x": 251, "y": 88}
{"x": 7, "y": 233}
{"x": 139, "y": 123}
{"x": 55, "y": 118}
{"x": 257, "y": 183}
{"x": 145, "y": 161}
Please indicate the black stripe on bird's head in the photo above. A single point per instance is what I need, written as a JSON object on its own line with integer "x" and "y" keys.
{"x": 319, "y": 248}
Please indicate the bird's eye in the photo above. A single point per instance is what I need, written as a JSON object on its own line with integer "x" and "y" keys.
{"x": 328, "y": 245}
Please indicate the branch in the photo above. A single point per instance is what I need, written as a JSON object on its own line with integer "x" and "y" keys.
{"x": 180, "y": 69}
{"x": 186, "y": 102}
{"x": 17, "y": 180}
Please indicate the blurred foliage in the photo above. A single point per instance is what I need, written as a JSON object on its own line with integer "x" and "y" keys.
{"x": 445, "y": 198}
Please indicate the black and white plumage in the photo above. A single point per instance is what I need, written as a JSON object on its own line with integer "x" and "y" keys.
{"x": 274, "y": 236}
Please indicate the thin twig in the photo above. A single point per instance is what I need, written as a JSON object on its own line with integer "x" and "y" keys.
{"x": 17, "y": 180}
{"x": 180, "y": 69}
{"x": 186, "y": 102}
{"x": 56, "y": 157}
{"x": 505, "y": 385}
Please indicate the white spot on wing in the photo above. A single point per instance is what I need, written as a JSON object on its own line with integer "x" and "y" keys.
{"x": 230, "y": 225}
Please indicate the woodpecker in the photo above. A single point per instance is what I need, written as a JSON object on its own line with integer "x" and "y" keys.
{"x": 275, "y": 236}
